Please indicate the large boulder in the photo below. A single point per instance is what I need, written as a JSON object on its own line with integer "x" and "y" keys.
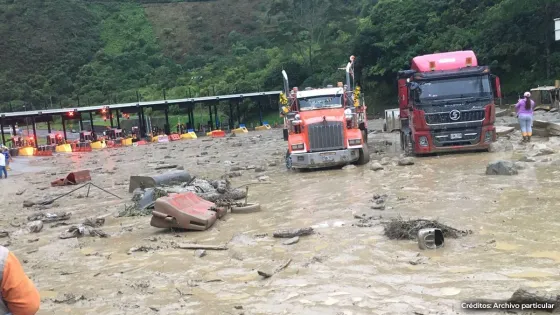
{"x": 501, "y": 167}
{"x": 541, "y": 149}
{"x": 406, "y": 161}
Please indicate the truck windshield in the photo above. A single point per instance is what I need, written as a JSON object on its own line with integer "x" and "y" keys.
{"x": 320, "y": 102}
{"x": 456, "y": 88}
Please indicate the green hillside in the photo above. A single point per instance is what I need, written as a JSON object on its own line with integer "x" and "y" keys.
{"x": 60, "y": 52}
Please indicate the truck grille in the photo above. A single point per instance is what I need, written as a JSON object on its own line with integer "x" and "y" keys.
{"x": 326, "y": 136}
{"x": 444, "y": 118}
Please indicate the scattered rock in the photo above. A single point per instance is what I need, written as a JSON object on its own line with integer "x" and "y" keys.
{"x": 236, "y": 168}
{"x": 502, "y": 145}
{"x": 260, "y": 169}
{"x": 251, "y": 167}
{"x": 501, "y": 167}
{"x": 233, "y": 174}
{"x": 200, "y": 253}
{"x": 406, "y": 161}
{"x": 263, "y": 178}
{"x": 180, "y": 167}
{"x": 165, "y": 166}
{"x": 291, "y": 241}
{"x": 520, "y": 165}
{"x": 527, "y": 158}
{"x": 167, "y": 157}
{"x": 272, "y": 164}
{"x": 542, "y": 149}
{"x": 385, "y": 161}
{"x": 139, "y": 249}
{"x": 378, "y": 207}
{"x": 376, "y": 166}
{"x": 293, "y": 232}
{"x": 504, "y": 130}
{"x": 349, "y": 167}
{"x": 35, "y": 226}
{"x": 20, "y": 192}
{"x": 28, "y": 203}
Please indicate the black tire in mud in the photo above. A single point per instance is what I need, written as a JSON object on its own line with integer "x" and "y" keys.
{"x": 285, "y": 132}
{"x": 365, "y": 135}
{"x": 288, "y": 160}
{"x": 364, "y": 155}
{"x": 406, "y": 144}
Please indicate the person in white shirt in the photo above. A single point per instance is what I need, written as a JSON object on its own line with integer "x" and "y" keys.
{"x": 3, "y": 164}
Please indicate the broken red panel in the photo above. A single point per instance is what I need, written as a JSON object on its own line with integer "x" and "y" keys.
{"x": 73, "y": 178}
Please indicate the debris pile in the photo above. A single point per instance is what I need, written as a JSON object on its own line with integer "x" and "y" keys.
{"x": 399, "y": 229}
{"x": 88, "y": 227}
{"x": 219, "y": 192}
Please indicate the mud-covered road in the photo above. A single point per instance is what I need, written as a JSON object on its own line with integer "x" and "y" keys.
{"x": 341, "y": 269}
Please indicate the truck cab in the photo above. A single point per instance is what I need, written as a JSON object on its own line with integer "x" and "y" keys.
{"x": 446, "y": 103}
{"x": 324, "y": 127}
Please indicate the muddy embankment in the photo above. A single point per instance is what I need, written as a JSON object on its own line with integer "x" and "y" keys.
{"x": 347, "y": 266}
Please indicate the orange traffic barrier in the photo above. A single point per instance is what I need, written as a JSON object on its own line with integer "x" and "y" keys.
{"x": 218, "y": 134}
{"x": 114, "y": 143}
{"x": 81, "y": 147}
{"x": 73, "y": 178}
{"x": 45, "y": 150}
{"x": 174, "y": 137}
{"x": 141, "y": 142}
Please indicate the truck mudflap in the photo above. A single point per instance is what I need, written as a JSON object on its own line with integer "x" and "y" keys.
{"x": 323, "y": 159}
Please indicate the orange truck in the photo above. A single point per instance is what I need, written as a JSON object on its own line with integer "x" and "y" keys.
{"x": 446, "y": 103}
{"x": 324, "y": 127}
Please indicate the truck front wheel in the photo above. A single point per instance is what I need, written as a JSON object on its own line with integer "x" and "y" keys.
{"x": 364, "y": 155}
{"x": 288, "y": 160}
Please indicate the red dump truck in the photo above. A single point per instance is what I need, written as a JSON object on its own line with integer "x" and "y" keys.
{"x": 446, "y": 103}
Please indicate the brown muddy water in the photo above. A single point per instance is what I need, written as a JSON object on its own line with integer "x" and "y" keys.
{"x": 342, "y": 269}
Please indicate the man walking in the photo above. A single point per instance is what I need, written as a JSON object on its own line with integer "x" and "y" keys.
{"x": 3, "y": 165}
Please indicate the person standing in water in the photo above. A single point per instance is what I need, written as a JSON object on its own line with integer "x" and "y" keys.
{"x": 525, "y": 108}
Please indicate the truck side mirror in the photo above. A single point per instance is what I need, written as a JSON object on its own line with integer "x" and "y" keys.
{"x": 498, "y": 87}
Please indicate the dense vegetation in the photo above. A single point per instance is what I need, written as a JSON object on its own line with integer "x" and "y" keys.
{"x": 60, "y": 52}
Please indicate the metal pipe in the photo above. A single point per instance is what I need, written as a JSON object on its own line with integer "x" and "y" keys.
{"x": 216, "y": 115}
{"x": 2, "y": 127}
{"x": 49, "y": 126}
{"x": 81, "y": 123}
{"x": 166, "y": 112}
{"x": 230, "y": 116}
{"x": 90, "y": 120}
{"x": 211, "y": 120}
{"x": 118, "y": 119}
{"x": 64, "y": 127}
{"x": 260, "y": 111}
{"x": 238, "y": 114}
{"x": 111, "y": 118}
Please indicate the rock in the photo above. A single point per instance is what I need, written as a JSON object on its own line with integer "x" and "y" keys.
{"x": 378, "y": 207}
{"x": 542, "y": 149}
{"x": 290, "y": 233}
{"x": 502, "y": 145}
{"x": 165, "y": 166}
{"x": 233, "y": 174}
{"x": 527, "y": 158}
{"x": 28, "y": 203}
{"x": 291, "y": 241}
{"x": 385, "y": 161}
{"x": 200, "y": 253}
{"x": 406, "y": 161}
{"x": 203, "y": 153}
{"x": 167, "y": 157}
{"x": 35, "y": 226}
{"x": 504, "y": 130}
{"x": 263, "y": 178}
{"x": 180, "y": 167}
{"x": 375, "y": 166}
{"x": 272, "y": 164}
{"x": 520, "y": 165}
{"x": 260, "y": 169}
{"x": 236, "y": 168}
{"x": 20, "y": 192}
{"x": 251, "y": 167}
{"x": 349, "y": 167}
{"x": 501, "y": 167}
{"x": 229, "y": 162}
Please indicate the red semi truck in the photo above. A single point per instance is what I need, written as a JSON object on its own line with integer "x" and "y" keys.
{"x": 446, "y": 103}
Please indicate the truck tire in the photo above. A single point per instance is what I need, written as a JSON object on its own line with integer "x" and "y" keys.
{"x": 365, "y": 136}
{"x": 384, "y": 127}
{"x": 408, "y": 145}
{"x": 285, "y": 131}
{"x": 288, "y": 160}
{"x": 364, "y": 155}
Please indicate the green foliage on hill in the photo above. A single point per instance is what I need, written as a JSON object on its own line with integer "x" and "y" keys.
{"x": 56, "y": 52}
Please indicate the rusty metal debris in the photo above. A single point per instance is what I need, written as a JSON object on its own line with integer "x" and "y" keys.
{"x": 73, "y": 178}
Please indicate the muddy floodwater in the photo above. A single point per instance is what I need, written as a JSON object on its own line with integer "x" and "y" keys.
{"x": 341, "y": 269}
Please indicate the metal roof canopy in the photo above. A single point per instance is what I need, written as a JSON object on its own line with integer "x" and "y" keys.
{"x": 131, "y": 106}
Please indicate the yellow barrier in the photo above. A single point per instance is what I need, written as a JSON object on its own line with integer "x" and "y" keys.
{"x": 64, "y": 148}
{"x": 240, "y": 130}
{"x": 27, "y": 151}
{"x": 191, "y": 135}
{"x": 98, "y": 145}
{"x": 155, "y": 139}
{"x": 263, "y": 127}
{"x": 127, "y": 142}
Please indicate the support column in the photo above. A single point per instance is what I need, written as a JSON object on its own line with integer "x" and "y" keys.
{"x": 238, "y": 114}
{"x": 34, "y": 133}
{"x": 166, "y": 127}
{"x": 211, "y": 120}
{"x": 260, "y": 111}
{"x": 118, "y": 119}
{"x": 143, "y": 130}
{"x": 81, "y": 122}
{"x": 192, "y": 116}
{"x": 218, "y": 125}
{"x": 64, "y": 127}
{"x": 90, "y": 120}
{"x": 230, "y": 116}
{"x": 111, "y": 118}
{"x": 2, "y": 127}
{"x": 14, "y": 130}
{"x": 49, "y": 126}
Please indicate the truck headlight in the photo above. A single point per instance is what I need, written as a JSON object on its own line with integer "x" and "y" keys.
{"x": 297, "y": 147}
{"x": 348, "y": 114}
{"x": 355, "y": 141}
{"x": 423, "y": 141}
{"x": 488, "y": 136}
